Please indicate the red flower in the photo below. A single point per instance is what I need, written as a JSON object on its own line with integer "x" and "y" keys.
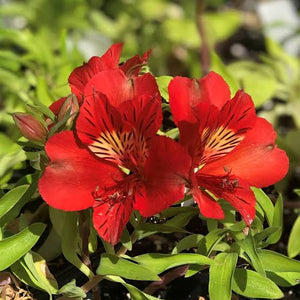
{"x": 103, "y": 74}
{"x": 231, "y": 148}
{"x": 86, "y": 169}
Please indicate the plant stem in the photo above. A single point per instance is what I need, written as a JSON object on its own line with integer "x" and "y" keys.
{"x": 204, "y": 51}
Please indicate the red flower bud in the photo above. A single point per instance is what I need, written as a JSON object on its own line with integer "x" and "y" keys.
{"x": 30, "y": 127}
{"x": 70, "y": 107}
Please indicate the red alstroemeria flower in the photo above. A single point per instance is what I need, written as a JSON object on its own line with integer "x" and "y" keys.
{"x": 126, "y": 76}
{"x": 87, "y": 168}
{"x": 231, "y": 148}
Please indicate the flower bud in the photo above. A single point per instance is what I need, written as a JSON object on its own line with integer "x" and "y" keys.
{"x": 70, "y": 107}
{"x": 30, "y": 127}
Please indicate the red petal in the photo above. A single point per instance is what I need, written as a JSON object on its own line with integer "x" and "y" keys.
{"x": 55, "y": 106}
{"x": 257, "y": 159}
{"x": 133, "y": 65}
{"x": 164, "y": 176}
{"x": 208, "y": 206}
{"x": 118, "y": 88}
{"x": 110, "y": 220}
{"x": 81, "y": 75}
{"x": 234, "y": 190}
{"x": 186, "y": 94}
{"x": 73, "y": 174}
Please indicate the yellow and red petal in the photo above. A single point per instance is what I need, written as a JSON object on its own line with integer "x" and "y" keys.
{"x": 82, "y": 75}
{"x": 222, "y": 130}
{"x": 73, "y": 174}
{"x": 256, "y": 159}
{"x": 164, "y": 176}
{"x": 186, "y": 94}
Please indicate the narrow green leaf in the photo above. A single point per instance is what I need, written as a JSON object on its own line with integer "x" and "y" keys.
{"x": 9, "y": 200}
{"x": 250, "y": 284}
{"x": 220, "y": 276}
{"x": 275, "y": 262}
{"x": 277, "y": 221}
{"x": 39, "y": 269}
{"x": 159, "y": 263}
{"x": 134, "y": 292}
{"x": 14, "y": 247}
{"x": 114, "y": 265}
{"x": 187, "y": 242}
{"x": 293, "y": 248}
{"x": 248, "y": 245}
{"x": 265, "y": 203}
{"x": 66, "y": 225}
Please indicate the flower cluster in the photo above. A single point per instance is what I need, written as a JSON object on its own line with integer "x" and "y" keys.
{"x": 113, "y": 161}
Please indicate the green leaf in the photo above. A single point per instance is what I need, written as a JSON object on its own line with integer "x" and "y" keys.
{"x": 125, "y": 240}
{"x": 158, "y": 262}
{"x": 71, "y": 290}
{"x": 285, "y": 278}
{"x": 250, "y": 284}
{"x": 163, "y": 83}
{"x": 293, "y": 247}
{"x": 9, "y": 200}
{"x": 187, "y": 242}
{"x": 276, "y": 262}
{"x": 14, "y": 247}
{"x": 114, "y": 265}
{"x": 220, "y": 276}
{"x": 39, "y": 269}
{"x": 265, "y": 203}
{"x": 66, "y": 225}
{"x": 277, "y": 221}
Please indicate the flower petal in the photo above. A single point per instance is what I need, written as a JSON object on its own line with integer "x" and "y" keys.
{"x": 234, "y": 190}
{"x": 118, "y": 88}
{"x": 208, "y": 206}
{"x": 81, "y": 75}
{"x": 110, "y": 219}
{"x": 73, "y": 174}
{"x": 186, "y": 94}
{"x": 133, "y": 65}
{"x": 164, "y": 176}
{"x": 56, "y": 105}
{"x": 256, "y": 159}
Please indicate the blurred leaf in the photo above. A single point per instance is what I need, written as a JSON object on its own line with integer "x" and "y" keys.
{"x": 71, "y": 290}
{"x": 159, "y": 263}
{"x": 14, "y": 247}
{"x": 163, "y": 83}
{"x": 187, "y": 242}
{"x": 250, "y": 284}
{"x": 256, "y": 79}
{"x": 220, "y": 276}
{"x": 277, "y": 221}
{"x": 218, "y": 66}
{"x": 222, "y": 24}
{"x": 114, "y": 265}
{"x": 8, "y": 201}
{"x": 125, "y": 240}
{"x": 275, "y": 262}
{"x": 293, "y": 247}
